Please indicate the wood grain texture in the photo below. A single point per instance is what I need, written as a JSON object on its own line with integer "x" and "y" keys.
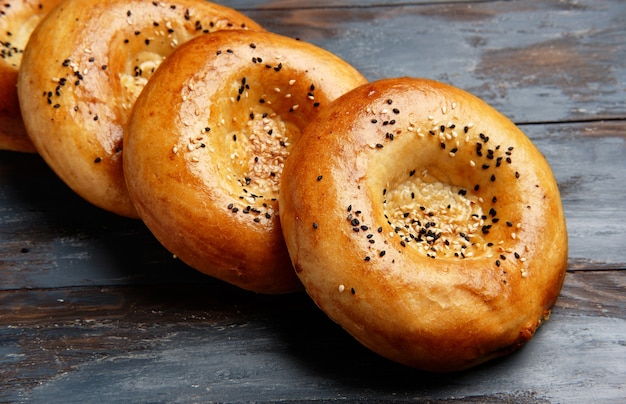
{"x": 92, "y": 308}
{"x": 52, "y": 238}
{"x": 215, "y": 342}
{"x": 536, "y": 61}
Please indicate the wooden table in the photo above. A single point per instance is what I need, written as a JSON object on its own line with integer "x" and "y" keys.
{"x": 92, "y": 308}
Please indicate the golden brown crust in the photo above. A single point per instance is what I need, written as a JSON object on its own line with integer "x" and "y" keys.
{"x": 83, "y": 69}
{"x": 18, "y": 19}
{"x": 205, "y": 145}
{"x": 425, "y": 223}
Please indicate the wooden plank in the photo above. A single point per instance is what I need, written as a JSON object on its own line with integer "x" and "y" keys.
{"x": 93, "y": 308}
{"x": 594, "y": 294}
{"x": 536, "y": 61}
{"x": 214, "y": 342}
{"x": 51, "y": 238}
{"x": 588, "y": 162}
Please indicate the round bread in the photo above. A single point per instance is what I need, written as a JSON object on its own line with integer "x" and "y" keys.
{"x": 84, "y": 66}
{"x": 17, "y": 20}
{"x": 206, "y": 142}
{"x": 425, "y": 223}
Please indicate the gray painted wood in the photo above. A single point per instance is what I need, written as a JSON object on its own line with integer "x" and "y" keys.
{"x": 536, "y": 61}
{"x": 216, "y": 343}
{"x": 92, "y": 308}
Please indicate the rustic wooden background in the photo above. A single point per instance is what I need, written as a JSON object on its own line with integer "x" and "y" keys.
{"x": 92, "y": 308}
